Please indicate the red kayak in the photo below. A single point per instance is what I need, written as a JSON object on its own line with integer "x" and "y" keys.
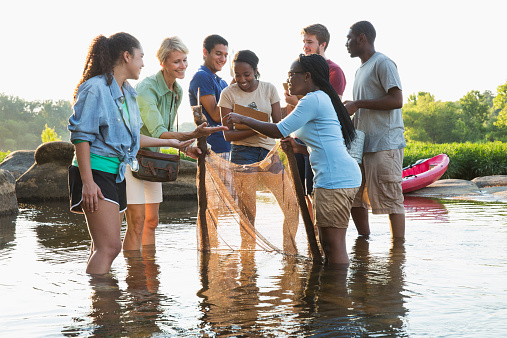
{"x": 424, "y": 172}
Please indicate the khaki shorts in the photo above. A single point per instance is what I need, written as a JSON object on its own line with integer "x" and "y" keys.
{"x": 142, "y": 192}
{"x": 381, "y": 186}
{"x": 331, "y": 207}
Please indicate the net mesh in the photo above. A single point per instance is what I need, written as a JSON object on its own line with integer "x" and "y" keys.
{"x": 251, "y": 207}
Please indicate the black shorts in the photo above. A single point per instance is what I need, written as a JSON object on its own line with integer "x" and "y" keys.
{"x": 112, "y": 191}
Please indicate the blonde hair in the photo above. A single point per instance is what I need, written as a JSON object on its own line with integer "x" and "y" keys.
{"x": 170, "y": 45}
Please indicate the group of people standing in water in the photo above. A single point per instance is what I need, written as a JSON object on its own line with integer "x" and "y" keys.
{"x": 111, "y": 121}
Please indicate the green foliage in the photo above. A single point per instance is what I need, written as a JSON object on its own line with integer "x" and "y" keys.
{"x": 49, "y": 135}
{"x": 22, "y": 121}
{"x": 423, "y": 117}
{"x": 3, "y": 155}
{"x": 175, "y": 151}
{"x": 472, "y": 115}
{"x": 500, "y": 103}
{"x": 474, "y": 118}
{"x": 466, "y": 160}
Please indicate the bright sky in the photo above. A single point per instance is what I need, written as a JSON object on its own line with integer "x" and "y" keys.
{"x": 444, "y": 47}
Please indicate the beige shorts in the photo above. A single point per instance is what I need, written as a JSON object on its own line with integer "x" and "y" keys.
{"x": 142, "y": 192}
{"x": 331, "y": 207}
{"x": 381, "y": 186}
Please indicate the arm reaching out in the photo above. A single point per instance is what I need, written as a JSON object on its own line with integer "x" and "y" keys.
{"x": 232, "y": 134}
{"x": 265, "y": 128}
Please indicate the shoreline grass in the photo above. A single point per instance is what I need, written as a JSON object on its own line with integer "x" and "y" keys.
{"x": 466, "y": 160}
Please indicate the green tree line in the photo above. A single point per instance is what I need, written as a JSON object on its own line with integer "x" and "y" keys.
{"x": 23, "y": 122}
{"x": 476, "y": 117}
{"x": 24, "y": 125}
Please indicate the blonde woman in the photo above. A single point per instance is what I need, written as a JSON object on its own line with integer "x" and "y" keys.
{"x": 159, "y": 97}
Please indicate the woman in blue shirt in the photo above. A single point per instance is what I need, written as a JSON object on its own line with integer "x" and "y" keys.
{"x": 322, "y": 122}
{"x": 105, "y": 129}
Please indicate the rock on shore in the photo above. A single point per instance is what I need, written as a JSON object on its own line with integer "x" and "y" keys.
{"x": 47, "y": 177}
{"x": 185, "y": 186}
{"x": 18, "y": 162}
{"x": 8, "y": 201}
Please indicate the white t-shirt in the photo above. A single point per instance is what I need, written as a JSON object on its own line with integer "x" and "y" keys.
{"x": 261, "y": 99}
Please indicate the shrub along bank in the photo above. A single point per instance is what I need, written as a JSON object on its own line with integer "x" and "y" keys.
{"x": 466, "y": 160}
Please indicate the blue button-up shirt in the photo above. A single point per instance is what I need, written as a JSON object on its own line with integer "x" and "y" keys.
{"x": 99, "y": 119}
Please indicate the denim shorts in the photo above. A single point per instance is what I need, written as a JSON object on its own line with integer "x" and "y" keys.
{"x": 246, "y": 154}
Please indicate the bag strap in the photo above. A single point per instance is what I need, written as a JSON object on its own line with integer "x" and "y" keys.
{"x": 177, "y": 130}
{"x": 175, "y": 112}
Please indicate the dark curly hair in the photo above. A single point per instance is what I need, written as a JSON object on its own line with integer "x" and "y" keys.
{"x": 103, "y": 54}
{"x": 249, "y": 57}
{"x": 317, "y": 66}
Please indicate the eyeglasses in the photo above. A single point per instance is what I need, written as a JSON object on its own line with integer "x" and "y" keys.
{"x": 291, "y": 74}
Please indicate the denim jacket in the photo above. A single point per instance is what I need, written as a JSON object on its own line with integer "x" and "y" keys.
{"x": 98, "y": 118}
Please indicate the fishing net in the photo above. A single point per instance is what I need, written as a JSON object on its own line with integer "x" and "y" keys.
{"x": 251, "y": 207}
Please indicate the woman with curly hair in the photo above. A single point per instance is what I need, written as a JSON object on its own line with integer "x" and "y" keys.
{"x": 248, "y": 147}
{"x": 322, "y": 122}
{"x": 105, "y": 130}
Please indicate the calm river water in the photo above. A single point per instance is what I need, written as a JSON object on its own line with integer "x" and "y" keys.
{"x": 449, "y": 279}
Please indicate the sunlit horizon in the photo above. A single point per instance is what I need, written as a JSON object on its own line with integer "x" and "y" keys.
{"x": 439, "y": 47}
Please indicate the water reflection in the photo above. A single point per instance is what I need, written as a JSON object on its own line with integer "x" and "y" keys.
{"x": 133, "y": 312}
{"x": 423, "y": 208}
{"x": 178, "y": 211}
{"x": 229, "y": 293}
{"x": 7, "y": 231}
{"x": 366, "y": 299}
{"x": 143, "y": 301}
{"x": 57, "y": 227}
{"x": 455, "y": 273}
{"x": 106, "y": 311}
{"x": 377, "y": 286}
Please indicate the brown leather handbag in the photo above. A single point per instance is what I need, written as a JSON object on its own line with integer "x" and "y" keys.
{"x": 156, "y": 167}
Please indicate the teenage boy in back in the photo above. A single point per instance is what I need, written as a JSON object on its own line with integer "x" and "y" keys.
{"x": 315, "y": 41}
{"x": 209, "y": 85}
